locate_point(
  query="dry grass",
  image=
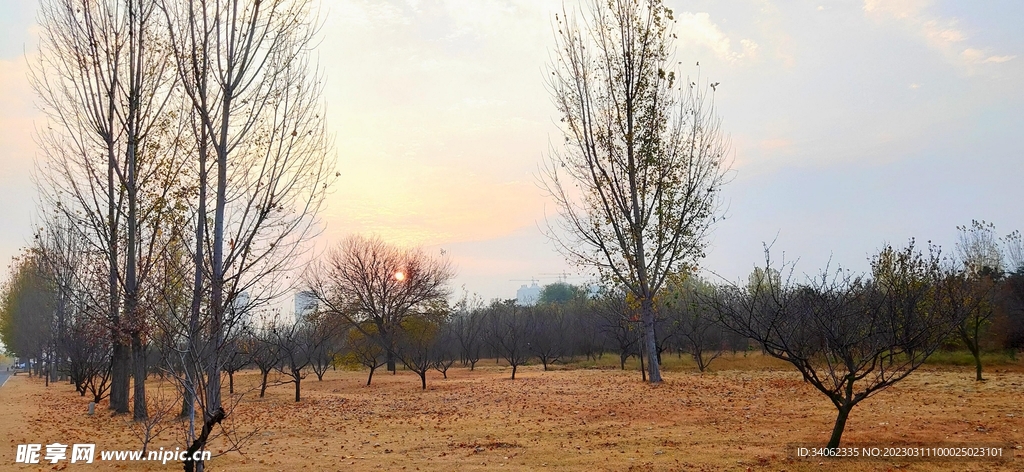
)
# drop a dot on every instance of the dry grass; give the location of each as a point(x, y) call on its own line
point(746, 415)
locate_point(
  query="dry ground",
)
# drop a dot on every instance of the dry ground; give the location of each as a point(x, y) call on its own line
point(749, 414)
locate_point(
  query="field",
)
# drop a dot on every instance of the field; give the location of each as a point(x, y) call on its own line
point(749, 413)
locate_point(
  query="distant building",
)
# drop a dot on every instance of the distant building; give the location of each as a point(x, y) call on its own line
point(240, 305)
point(528, 296)
point(305, 304)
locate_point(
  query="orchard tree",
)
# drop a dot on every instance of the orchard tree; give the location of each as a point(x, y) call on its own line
point(637, 182)
point(418, 343)
point(686, 306)
point(850, 336)
point(368, 280)
point(507, 329)
point(364, 348)
point(982, 258)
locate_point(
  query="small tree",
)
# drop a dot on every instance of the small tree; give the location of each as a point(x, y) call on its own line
point(467, 328)
point(325, 342)
point(548, 330)
point(293, 341)
point(508, 332)
point(979, 251)
point(696, 324)
point(418, 344)
point(850, 336)
point(618, 322)
point(367, 351)
point(266, 354)
point(236, 357)
point(445, 349)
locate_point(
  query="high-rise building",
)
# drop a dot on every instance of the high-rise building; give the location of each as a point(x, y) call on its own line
point(528, 296)
point(305, 304)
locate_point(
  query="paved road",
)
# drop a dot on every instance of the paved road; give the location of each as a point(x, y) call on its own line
point(3, 377)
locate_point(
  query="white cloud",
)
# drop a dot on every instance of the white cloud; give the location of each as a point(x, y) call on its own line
point(998, 59)
point(896, 8)
point(941, 34)
point(697, 30)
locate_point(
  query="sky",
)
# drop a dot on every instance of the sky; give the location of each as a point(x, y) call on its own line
point(852, 124)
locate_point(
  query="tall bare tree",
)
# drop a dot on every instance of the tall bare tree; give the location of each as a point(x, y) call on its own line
point(261, 152)
point(105, 82)
point(638, 179)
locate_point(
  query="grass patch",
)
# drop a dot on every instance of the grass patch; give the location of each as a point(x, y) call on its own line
point(964, 358)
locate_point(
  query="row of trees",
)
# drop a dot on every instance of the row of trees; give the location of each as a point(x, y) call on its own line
point(849, 335)
point(184, 161)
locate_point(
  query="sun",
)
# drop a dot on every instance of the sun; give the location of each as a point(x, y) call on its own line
point(399, 276)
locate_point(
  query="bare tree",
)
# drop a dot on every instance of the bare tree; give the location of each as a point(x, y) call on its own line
point(265, 354)
point(236, 357)
point(324, 341)
point(446, 348)
point(979, 251)
point(467, 329)
point(418, 342)
point(368, 280)
point(362, 346)
point(507, 330)
point(638, 180)
point(292, 340)
point(258, 127)
point(850, 336)
point(105, 83)
point(696, 324)
point(618, 322)
point(548, 335)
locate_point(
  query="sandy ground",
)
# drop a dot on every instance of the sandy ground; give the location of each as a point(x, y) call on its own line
point(746, 415)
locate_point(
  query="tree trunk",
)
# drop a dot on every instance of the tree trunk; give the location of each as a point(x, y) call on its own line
point(423, 379)
point(298, 384)
point(231, 382)
point(263, 386)
point(139, 375)
point(119, 377)
point(974, 347)
point(513, 372)
point(368, 379)
point(188, 397)
point(391, 362)
point(650, 342)
point(643, 371)
point(216, 417)
point(217, 301)
point(837, 430)
point(977, 363)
